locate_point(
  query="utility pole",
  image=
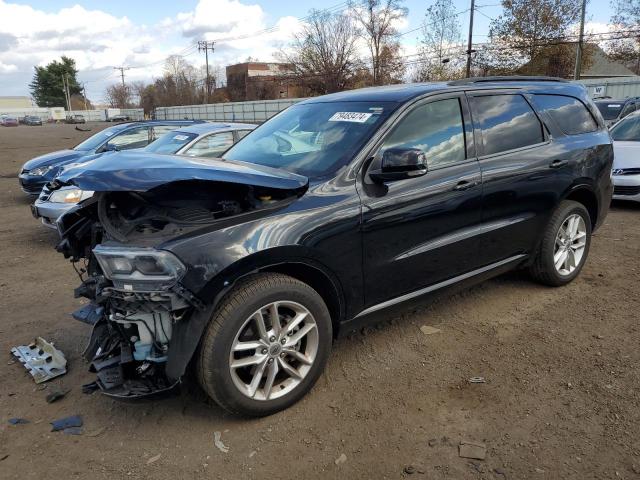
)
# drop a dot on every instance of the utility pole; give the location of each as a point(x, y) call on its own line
point(65, 90)
point(122, 69)
point(206, 46)
point(470, 42)
point(84, 94)
point(576, 75)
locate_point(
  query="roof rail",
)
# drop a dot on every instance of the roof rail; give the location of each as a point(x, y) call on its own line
point(512, 78)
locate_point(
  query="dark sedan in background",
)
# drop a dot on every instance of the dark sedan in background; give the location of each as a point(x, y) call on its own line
point(37, 172)
point(32, 120)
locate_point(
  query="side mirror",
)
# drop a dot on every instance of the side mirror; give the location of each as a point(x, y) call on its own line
point(399, 164)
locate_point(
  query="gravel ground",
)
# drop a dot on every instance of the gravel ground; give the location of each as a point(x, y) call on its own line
point(560, 398)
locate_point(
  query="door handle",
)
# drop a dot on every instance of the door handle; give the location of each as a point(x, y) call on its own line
point(464, 185)
point(558, 163)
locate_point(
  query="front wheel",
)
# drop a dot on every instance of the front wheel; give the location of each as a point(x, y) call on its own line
point(564, 246)
point(265, 346)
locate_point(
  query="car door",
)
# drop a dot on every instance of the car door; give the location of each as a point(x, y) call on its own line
point(522, 172)
point(420, 231)
point(212, 145)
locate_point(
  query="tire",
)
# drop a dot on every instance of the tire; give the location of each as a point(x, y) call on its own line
point(544, 268)
point(235, 323)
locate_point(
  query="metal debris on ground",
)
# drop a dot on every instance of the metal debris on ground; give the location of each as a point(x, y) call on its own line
point(427, 330)
point(217, 440)
point(41, 359)
point(67, 422)
point(341, 459)
point(409, 470)
point(18, 421)
point(473, 450)
point(154, 459)
point(55, 396)
point(477, 380)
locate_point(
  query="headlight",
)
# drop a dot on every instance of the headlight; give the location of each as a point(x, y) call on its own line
point(73, 195)
point(139, 269)
point(36, 172)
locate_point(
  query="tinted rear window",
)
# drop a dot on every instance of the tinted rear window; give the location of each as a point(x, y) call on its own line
point(609, 110)
point(569, 113)
point(507, 122)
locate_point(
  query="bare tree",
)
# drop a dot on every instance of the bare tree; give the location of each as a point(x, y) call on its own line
point(324, 55)
point(118, 96)
point(440, 40)
point(377, 19)
point(534, 33)
point(625, 19)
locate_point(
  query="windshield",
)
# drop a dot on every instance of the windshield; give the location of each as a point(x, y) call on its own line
point(314, 139)
point(170, 142)
point(609, 110)
point(627, 130)
point(94, 141)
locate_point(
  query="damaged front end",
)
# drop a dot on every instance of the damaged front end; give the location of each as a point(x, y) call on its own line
point(140, 312)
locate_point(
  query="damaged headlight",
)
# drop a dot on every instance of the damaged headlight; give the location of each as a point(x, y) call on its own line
point(73, 195)
point(143, 269)
point(39, 171)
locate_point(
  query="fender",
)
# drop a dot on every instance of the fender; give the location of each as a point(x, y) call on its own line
point(187, 334)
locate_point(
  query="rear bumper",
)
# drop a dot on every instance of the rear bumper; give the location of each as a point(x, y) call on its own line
point(626, 187)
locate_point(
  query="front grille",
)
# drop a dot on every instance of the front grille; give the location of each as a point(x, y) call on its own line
point(626, 190)
point(32, 188)
point(626, 171)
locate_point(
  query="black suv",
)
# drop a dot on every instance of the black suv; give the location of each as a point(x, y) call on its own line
point(331, 214)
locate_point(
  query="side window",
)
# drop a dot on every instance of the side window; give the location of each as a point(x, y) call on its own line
point(241, 134)
point(436, 128)
point(132, 138)
point(160, 130)
point(507, 122)
point(569, 113)
point(211, 146)
point(628, 108)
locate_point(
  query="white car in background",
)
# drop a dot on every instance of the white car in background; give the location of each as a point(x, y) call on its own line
point(626, 162)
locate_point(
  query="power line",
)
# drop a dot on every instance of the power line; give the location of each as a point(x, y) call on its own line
point(206, 46)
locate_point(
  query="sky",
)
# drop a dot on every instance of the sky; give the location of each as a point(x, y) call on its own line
point(100, 35)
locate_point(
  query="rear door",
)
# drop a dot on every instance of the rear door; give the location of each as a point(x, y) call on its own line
point(519, 171)
point(420, 231)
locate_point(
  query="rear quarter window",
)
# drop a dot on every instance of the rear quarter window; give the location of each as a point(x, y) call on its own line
point(570, 114)
point(507, 122)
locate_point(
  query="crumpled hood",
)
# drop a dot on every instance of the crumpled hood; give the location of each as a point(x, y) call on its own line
point(61, 157)
point(141, 171)
point(626, 154)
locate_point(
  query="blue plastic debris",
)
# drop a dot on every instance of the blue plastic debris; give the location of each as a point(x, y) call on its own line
point(67, 422)
point(18, 421)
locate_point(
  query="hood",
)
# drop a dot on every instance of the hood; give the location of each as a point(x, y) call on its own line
point(61, 157)
point(140, 172)
point(626, 154)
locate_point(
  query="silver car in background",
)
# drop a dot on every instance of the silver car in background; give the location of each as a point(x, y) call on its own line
point(198, 140)
point(626, 161)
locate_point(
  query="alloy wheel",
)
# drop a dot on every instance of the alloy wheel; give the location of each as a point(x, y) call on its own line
point(571, 241)
point(273, 350)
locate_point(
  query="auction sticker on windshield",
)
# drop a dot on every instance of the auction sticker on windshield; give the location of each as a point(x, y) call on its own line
point(357, 117)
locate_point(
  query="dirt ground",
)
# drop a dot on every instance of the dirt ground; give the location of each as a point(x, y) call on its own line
point(560, 400)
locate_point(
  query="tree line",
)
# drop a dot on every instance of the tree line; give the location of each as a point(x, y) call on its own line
point(361, 46)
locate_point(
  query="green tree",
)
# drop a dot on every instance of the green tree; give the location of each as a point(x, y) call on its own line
point(47, 87)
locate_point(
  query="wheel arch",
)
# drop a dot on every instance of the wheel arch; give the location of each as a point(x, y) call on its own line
point(585, 195)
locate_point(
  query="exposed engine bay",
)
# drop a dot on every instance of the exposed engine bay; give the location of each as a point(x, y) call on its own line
point(138, 306)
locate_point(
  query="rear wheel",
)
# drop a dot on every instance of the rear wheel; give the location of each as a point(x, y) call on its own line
point(266, 345)
point(565, 245)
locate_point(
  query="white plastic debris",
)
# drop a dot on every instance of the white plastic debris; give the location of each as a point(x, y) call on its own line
point(217, 440)
point(41, 359)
